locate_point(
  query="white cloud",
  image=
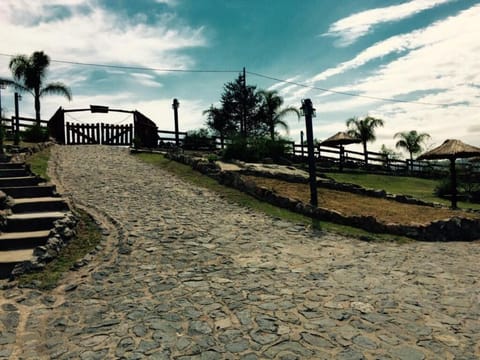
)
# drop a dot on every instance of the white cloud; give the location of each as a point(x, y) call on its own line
point(92, 34)
point(351, 28)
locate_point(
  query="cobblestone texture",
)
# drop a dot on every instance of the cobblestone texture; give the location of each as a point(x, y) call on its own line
point(184, 274)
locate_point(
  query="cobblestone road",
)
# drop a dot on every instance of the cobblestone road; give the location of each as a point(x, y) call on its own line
point(184, 274)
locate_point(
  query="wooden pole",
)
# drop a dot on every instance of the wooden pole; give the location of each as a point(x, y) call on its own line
point(453, 174)
point(308, 111)
point(175, 115)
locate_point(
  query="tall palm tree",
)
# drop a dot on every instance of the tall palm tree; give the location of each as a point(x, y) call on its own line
point(411, 141)
point(29, 74)
point(272, 112)
point(364, 130)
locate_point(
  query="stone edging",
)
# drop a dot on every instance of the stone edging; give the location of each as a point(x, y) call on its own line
point(453, 229)
point(62, 232)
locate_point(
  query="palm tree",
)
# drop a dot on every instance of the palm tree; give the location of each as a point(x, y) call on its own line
point(219, 122)
point(29, 74)
point(412, 142)
point(363, 130)
point(270, 109)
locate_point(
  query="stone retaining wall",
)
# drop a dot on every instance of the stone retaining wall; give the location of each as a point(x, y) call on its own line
point(453, 229)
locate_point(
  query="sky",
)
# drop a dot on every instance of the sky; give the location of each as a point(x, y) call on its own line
point(412, 63)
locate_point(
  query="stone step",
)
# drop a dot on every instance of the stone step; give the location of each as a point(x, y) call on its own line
point(20, 181)
point(23, 240)
point(8, 260)
point(32, 221)
point(29, 191)
point(4, 173)
point(39, 204)
point(9, 165)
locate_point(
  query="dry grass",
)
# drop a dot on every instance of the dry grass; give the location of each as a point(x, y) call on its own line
point(349, 204)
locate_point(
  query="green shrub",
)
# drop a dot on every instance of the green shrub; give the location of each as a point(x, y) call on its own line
point(198, 140)
point(35, 134)
point(256, 149)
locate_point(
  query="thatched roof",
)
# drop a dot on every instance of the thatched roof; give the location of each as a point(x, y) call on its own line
point(340, 138)
point(451, 149)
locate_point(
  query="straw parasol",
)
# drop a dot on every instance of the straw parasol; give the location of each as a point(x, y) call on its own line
point(452, 149)
point(340, 139)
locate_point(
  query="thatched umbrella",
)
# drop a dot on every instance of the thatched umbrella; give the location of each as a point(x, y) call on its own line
point(340, 139)
point(452, 150)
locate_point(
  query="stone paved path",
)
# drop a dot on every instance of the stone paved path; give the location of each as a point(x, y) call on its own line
point(184, 274)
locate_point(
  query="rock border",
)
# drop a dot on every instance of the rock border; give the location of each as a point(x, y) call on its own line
point(452, 229)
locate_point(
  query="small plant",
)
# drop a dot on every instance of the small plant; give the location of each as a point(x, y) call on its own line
point(35, 134)
point(444, 188)
point(211, 158)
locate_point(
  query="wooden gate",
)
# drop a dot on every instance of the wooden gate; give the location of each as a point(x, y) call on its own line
point(116, 134)
point(107, 134)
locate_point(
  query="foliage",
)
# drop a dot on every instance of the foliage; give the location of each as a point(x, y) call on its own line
point(389, 153)
point(38, 163)
point(364, 130)
point(219, 122)
point(255, 149)
point(29, 74)
point(411, 141)
point(444, 188)
point(238, 100)
point(198, 140)
point(271, 112)
point(35, 134)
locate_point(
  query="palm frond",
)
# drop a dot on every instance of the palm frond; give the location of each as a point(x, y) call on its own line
point(56, 88)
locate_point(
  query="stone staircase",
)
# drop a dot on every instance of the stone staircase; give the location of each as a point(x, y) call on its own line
point(35, 207)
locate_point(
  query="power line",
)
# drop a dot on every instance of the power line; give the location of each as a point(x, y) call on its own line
point(145, 68)
point(352, 94)
point(142, 68)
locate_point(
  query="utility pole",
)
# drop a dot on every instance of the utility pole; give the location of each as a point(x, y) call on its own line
point(243, 122)
point(309, 112)
point(16, 136)
point(175, 106)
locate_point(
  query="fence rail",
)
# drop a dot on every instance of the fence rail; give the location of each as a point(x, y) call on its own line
point(24, 123)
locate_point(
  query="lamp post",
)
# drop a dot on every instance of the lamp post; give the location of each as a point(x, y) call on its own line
point(175, 107)
point(309, 112)
point(16, 137)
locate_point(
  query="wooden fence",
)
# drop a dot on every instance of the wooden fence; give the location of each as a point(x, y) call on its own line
point(23, 123)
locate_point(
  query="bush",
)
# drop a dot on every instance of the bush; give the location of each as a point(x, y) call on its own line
point(35, 134)
point(256, 149)
point(444, 188)
point(198, 140)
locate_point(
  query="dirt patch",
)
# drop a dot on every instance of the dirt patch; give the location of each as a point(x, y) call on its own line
point(385, 211)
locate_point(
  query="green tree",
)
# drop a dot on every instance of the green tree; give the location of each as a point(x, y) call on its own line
point(364, 130)
point(238, 100)
point(29, 74)
point(219, 123)
point(412, 142)
point(271, 112)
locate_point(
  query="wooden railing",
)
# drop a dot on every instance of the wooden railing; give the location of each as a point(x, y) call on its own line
point(24, 123)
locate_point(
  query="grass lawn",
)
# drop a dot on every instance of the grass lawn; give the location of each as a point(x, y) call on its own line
point(422, 189)
point(39, 163)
